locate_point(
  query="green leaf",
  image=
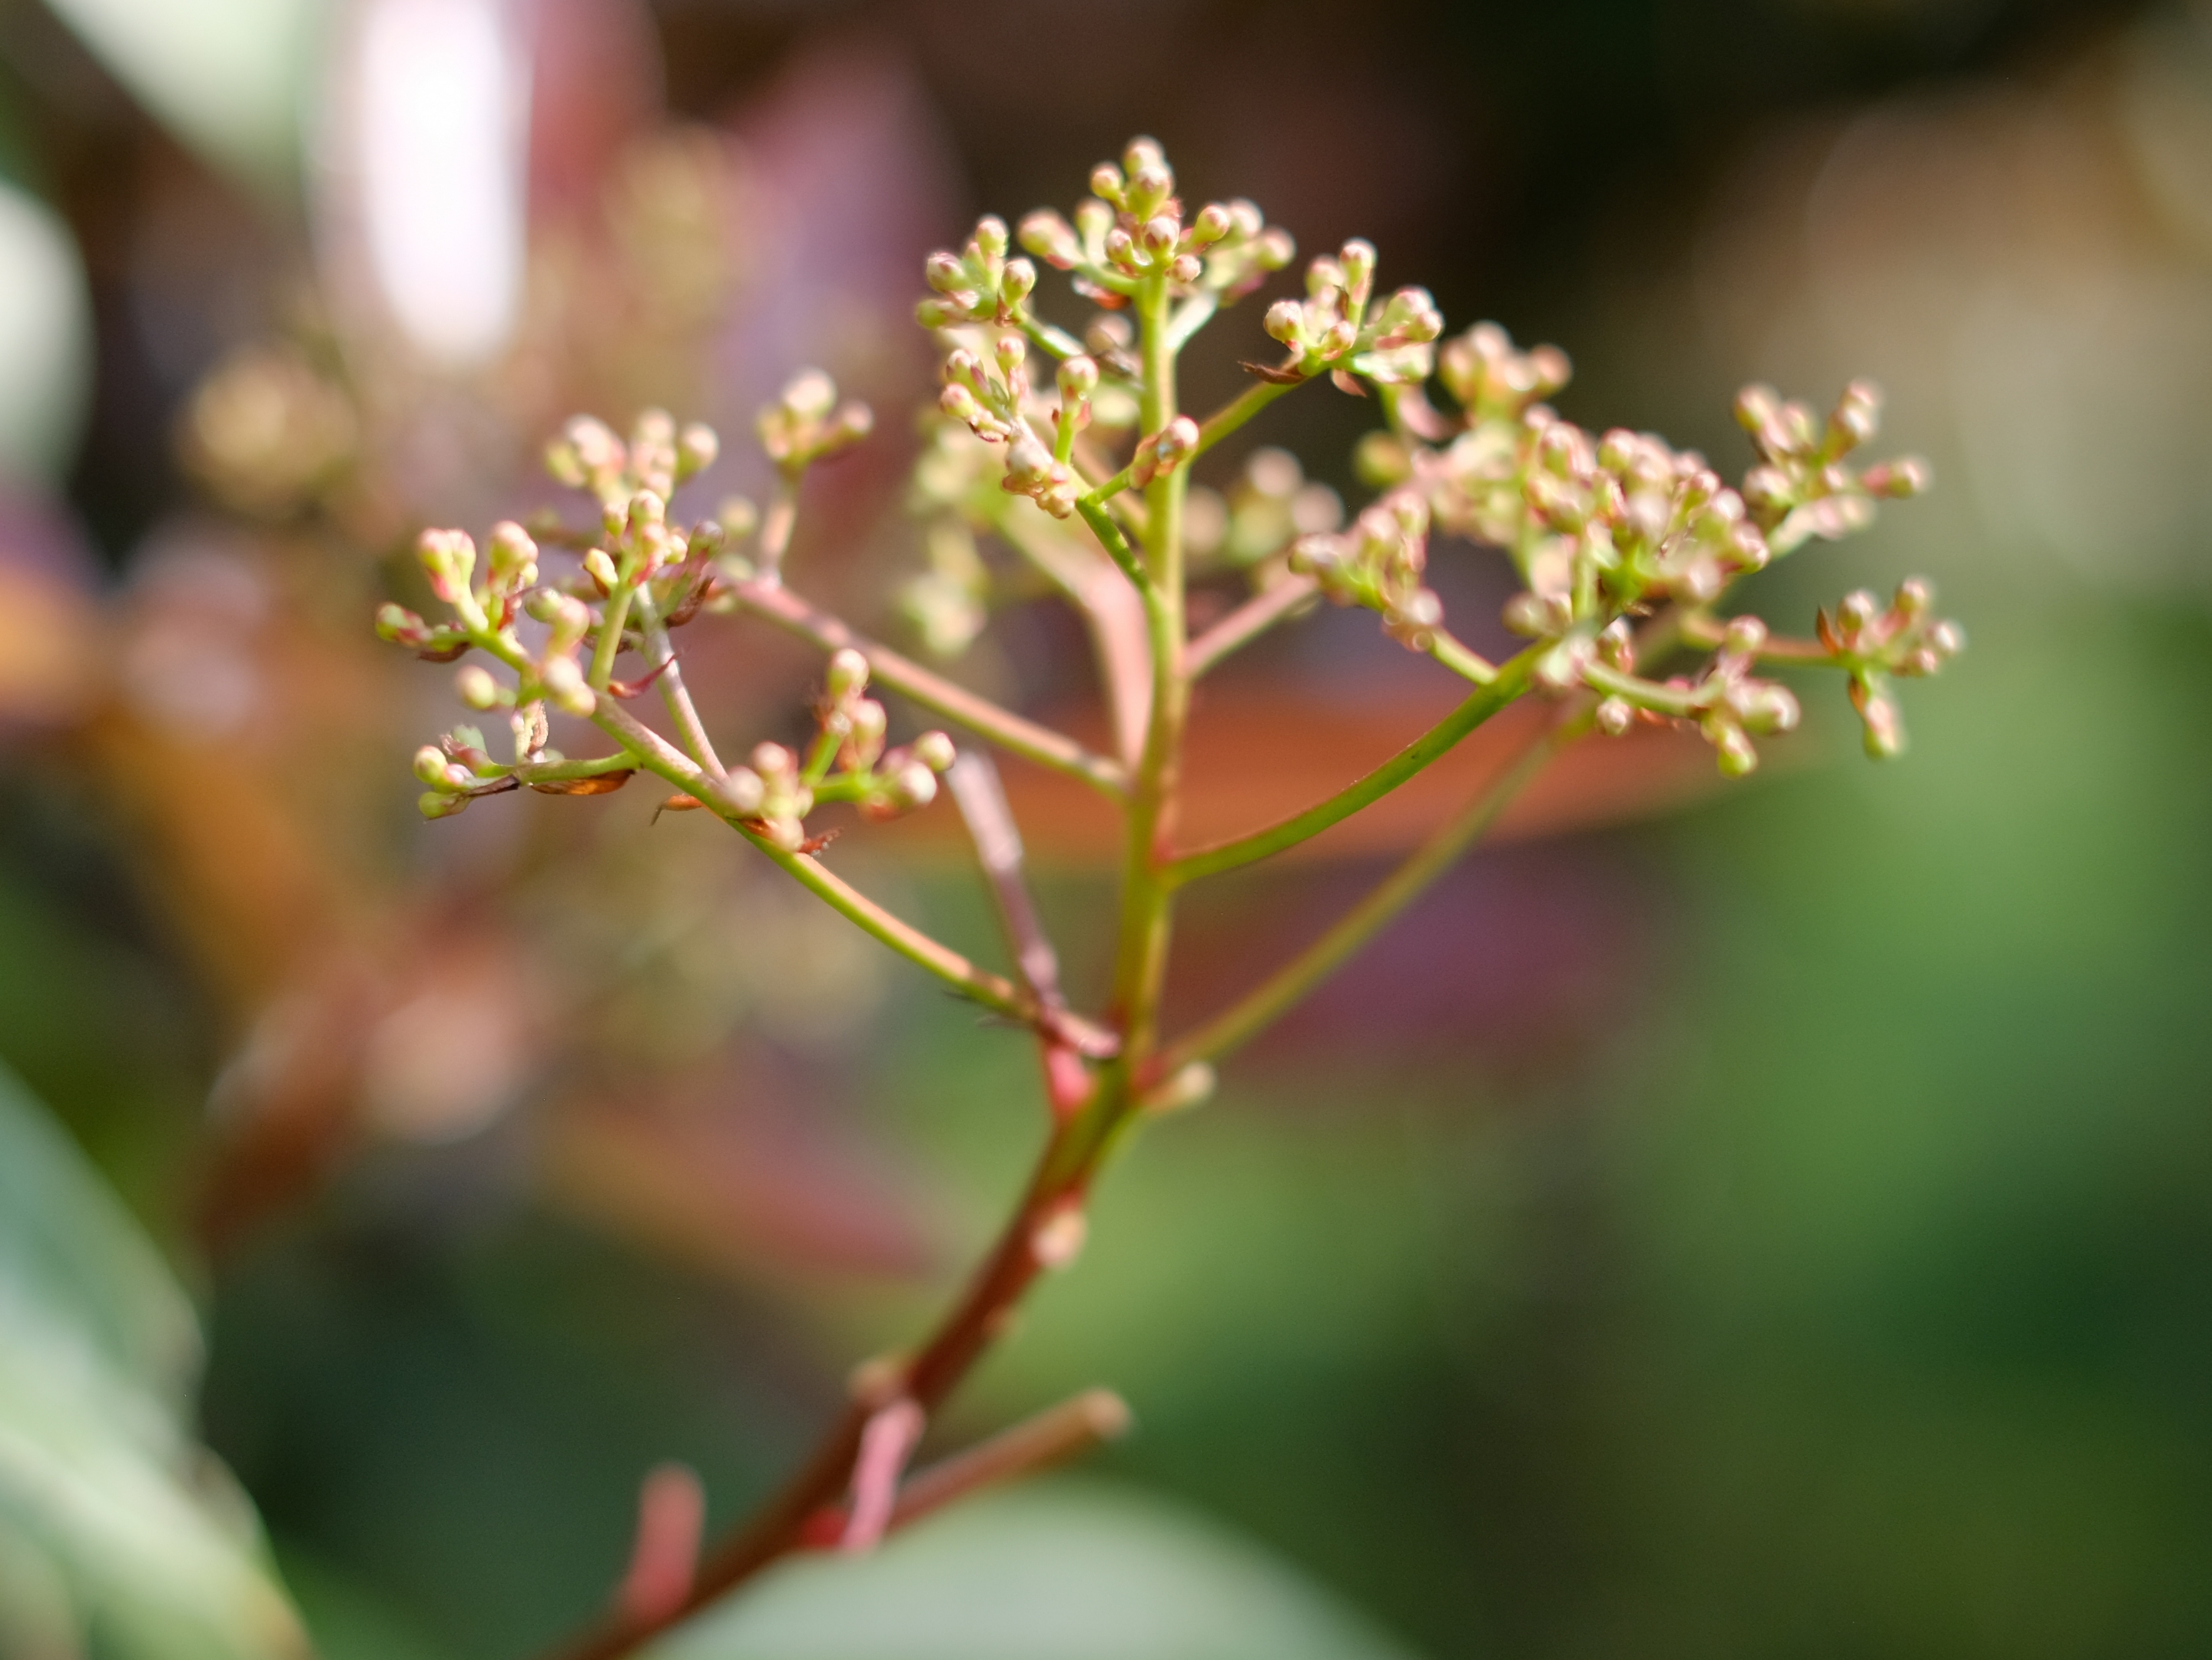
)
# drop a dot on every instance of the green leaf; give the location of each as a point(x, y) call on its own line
point(1056, 1570)
point(118, 1534)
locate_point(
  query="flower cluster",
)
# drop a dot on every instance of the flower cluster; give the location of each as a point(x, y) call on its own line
point(1377, 563)
point(634, 578)
point(1132, 227)
point(1333, 328)
point(1871, 644)
point(1604, 529)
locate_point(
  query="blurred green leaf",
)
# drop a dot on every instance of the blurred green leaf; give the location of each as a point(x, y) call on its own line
point(1057, 1571)
point(118, 1534)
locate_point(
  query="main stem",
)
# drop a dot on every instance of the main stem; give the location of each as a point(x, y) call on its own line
point(1081, 1137)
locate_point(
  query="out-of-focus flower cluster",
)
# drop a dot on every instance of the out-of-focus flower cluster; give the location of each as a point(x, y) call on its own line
point(637, 575)
point(1608, 530)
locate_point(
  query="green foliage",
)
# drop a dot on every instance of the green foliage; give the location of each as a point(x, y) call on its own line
point(118, 1533)
point(1063, 1571)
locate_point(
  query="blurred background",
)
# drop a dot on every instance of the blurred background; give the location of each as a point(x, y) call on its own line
point(1773, 1219)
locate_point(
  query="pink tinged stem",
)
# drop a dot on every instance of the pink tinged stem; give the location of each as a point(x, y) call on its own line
point(672, 1515)
point(887, 1441)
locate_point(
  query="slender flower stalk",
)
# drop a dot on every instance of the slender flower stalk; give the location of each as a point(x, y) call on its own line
point(1066, 443)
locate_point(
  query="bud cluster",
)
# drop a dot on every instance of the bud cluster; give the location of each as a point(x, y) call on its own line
point(1726, 703)
point(638, 575)
point(846, 761)
point(1132, 229)
point(1802, 488)
point(1871, 644)
point(1331, 328)
point(806, 423)
point(1377, 563)
point(1606, 528)
point(994, 399)
point(979, 284)
point(660, 456)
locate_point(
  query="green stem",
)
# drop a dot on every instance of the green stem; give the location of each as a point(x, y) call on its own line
point(1010, 731)
point(1059, 342)
point(612, 617)
point(673, 692)
point(1679, 701)
point(1447, 651)
point(532, 772)
point(1147, 897)
point(1116, 544)
point(1707, 632)
point(1210, 431)
point(657, 754)
point(1511, 680)
point(1275, 996)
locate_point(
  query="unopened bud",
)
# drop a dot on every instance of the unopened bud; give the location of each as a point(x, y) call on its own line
point(430, 765)
point(1358, 259)
point(476, 687)
point(1051, 238)
point(1178, 443)
point(697, 447)
point(448, 557)
point(599, 566)
point(564, 687)
point(1735, 750)
point(934, 750)
point(1905, 476)
point(1077, 377)
point(810, 394)
point(1614, 716)
point(400, 626)
point(848, 673)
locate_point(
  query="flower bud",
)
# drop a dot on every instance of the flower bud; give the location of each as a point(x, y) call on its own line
point(432, 804)
point(1614, 716)
point(911, 785)
point(1178, 443)
point(448, 557)
point(697, 447)
point(740, 790)
point(1857, 416)
point(1051, 238)
point(848, 673)
point(1905, 476)
point(1077, 377)
point(564, 687)
point(1735, 750)
point(430, 766)
point(1357, 260)
point(599, 566)
point(1884, 725)
point(476, 687)
point(401, 626)
point(511, 557)
point(1214, 222)
point(1285, 321)
point(810, 394)
point(934, 750)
